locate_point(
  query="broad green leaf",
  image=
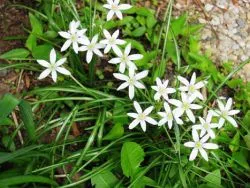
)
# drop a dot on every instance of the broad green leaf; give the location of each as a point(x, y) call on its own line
point(235, 143)
point(139, 31)
point(179, 24)
point(247, 140)
point(36, 25)
point(151, 21)
point(7, 104)
point(5, 121)
point(15, 54)
point(145, 181)
point(214, 178)
point(241, 158)
point(117, 131)
point(27, 118)
point(31, 42)
point(105, 179)
point(42, 51)
point(26, 179)
point(132, 155)
point(8, 143)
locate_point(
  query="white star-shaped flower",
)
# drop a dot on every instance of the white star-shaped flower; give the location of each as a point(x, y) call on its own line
point(199, 145)
point(192, 88)
point(225, 113)
point(73, 36)
point(168, 117)
point(131, 81)
point(141, 117)
point(115, 8)
point(53, 66)
point(185, 106)
point(206, 126)
point(91, 47)
point(126, 60)
point(162, 89)
point(111, 42)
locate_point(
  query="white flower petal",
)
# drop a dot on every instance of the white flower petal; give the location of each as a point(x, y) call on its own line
point(193, 154)
point(137, 107)
point(63, 71)
point(133, 115)
point(131, 92)
point(54, 76)
point(119, 14)
point(110, 15)
point(221, 122)
point(189, 144)
point(139, 85)
point(52, 56)
point(210, 146)
point(98, 52)
point(120, 76)
point(44, 74)
point(195, 135)
point(122, 67)
point(151, 121)
point(66, 45)
point(175, 102)
point(60, 62)
point(233, 112)
point(134, 124)
point(143, 125)
point(127, 49)
point(148, 110)
point(232, 121)
point(195, 106)
point(204, 139)
point(89, 56)
point(44, 63)
point(115, 60)
point(190, 115)
point(141, 75)
point(221, 106)
point(203, 154)
point(65, 35)
point(162, 121)
point(123, 86)
point(183, 80)
point(135, 57)
point(229, 104)
point(193, 79)
point(75, 47)
point(124, 6)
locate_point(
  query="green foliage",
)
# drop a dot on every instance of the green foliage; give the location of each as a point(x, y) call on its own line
point(131, 157)
point(19, 53)
point(105, 179)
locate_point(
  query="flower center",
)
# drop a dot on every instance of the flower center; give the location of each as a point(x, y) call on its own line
point(206, 125)
point(141, 116)
point(124, 58)
point(198, 145)
point(114, 7)
point(112, 40)
point(91, 46)
point(52, 66)
point(191, 89)
point(73, 37)
point(131, 81)
point(185, 105)
point(170, 116)
point(224, 113)
point(162, 90)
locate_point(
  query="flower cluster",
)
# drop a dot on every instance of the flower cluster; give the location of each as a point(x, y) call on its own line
point(175, 112)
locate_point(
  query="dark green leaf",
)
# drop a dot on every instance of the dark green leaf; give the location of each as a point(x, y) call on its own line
point(104, 179)
point(214, 178)
point(7, 104)
point(27, 118)
point(131, 157)
point(15, 54)
point(235, 143)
